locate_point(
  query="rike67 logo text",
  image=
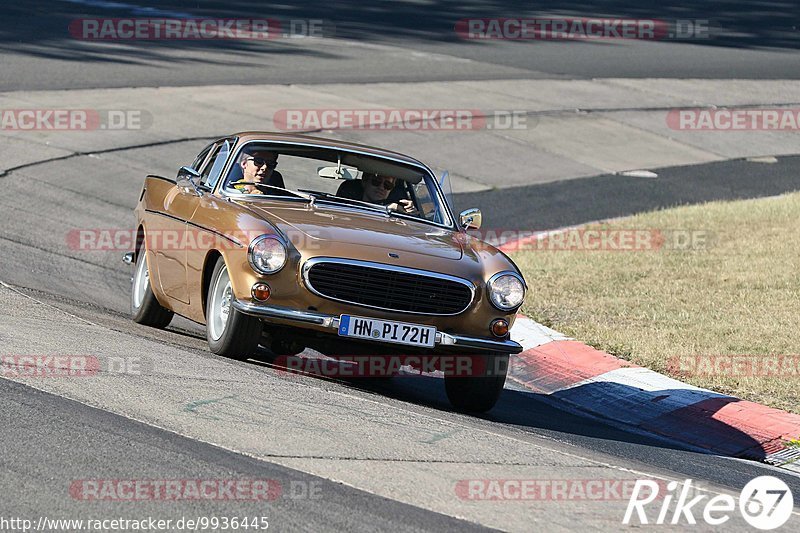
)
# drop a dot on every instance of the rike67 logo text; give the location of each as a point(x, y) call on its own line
point(765, 503)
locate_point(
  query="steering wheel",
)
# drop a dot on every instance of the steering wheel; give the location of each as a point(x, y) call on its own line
point(260, 186)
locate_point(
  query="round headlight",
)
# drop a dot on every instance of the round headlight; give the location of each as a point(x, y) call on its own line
point(506, 291)
point(267, 254)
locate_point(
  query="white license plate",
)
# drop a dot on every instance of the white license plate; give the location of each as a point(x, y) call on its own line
point(386, 331)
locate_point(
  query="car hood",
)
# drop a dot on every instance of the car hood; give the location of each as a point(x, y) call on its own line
point(321, 229)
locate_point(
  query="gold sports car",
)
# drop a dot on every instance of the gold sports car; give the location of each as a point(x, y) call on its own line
point(293, 242)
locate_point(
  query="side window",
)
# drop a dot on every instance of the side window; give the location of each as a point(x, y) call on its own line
point(212, 172)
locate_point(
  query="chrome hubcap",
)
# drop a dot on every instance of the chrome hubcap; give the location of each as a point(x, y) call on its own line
point(220, 305)
point(226, 304)
point(141, 281)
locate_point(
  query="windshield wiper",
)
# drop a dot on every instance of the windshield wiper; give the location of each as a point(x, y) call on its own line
point(324, 196)
point(264, 185)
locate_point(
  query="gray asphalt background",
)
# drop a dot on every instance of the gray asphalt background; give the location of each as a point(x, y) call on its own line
point(397, 41)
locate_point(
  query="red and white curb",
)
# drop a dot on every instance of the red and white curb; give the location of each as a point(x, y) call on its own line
point(582, 379)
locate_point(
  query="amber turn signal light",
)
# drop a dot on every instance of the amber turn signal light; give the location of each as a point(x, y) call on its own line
point(499, 327)
point(260, 292)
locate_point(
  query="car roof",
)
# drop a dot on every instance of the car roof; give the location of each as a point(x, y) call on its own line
point(246, 136)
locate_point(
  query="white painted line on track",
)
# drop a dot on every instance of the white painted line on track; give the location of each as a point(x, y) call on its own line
point(76, 317)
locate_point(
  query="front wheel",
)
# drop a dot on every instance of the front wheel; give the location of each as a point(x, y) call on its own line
point(145, 308)
point(478, 394)
point(229, 332)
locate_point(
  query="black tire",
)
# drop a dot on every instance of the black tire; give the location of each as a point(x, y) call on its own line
point(240, 333)
point(478, 394)
point(148, 312)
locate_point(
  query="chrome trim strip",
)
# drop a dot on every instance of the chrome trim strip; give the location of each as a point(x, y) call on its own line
point(332, 322)
point(506, 346)
point(505, 273)
point(219, 189)
point(382, 266)
point(265, 311)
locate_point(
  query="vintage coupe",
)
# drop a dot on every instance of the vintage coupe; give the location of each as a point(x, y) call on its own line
point(347, 249)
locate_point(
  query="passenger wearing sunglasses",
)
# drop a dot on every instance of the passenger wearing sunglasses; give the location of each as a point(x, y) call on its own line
point(259, 167)
point(375, 189)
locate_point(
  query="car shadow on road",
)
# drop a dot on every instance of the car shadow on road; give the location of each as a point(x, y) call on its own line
point(548, 414)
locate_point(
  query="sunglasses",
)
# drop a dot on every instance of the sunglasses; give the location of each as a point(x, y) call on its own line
point(260, 162)
point(376, 182)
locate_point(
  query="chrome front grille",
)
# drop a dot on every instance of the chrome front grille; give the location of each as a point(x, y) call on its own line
point(388, 287)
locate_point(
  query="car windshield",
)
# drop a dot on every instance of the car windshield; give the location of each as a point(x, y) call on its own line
point(335, 177)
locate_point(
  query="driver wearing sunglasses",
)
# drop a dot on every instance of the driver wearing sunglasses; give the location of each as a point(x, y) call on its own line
point(259, 168)
point(377, 189)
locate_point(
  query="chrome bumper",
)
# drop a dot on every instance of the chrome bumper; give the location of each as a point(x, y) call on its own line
point(332, 322)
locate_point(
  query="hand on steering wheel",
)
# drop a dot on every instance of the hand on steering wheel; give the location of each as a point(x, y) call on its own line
point(403, 206)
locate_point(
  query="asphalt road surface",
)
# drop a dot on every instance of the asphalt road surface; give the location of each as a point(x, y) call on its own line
point(384, 456)
point(566, 203)
point(72, 439)
point(392, 41)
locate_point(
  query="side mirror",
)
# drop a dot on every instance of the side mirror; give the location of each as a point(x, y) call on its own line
point(470, 219)
point(186, 181)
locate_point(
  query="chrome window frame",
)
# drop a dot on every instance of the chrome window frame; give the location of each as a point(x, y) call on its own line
point(209, 166)
point(444, 206)
point(207, 149)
